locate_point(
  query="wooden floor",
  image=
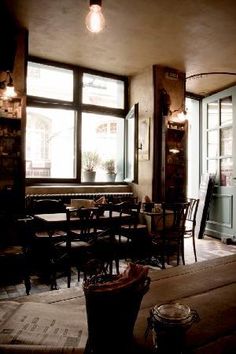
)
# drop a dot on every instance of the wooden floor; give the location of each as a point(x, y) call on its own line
point(207, 248)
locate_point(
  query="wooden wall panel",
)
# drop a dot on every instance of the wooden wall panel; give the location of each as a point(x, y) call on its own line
point(169, 100)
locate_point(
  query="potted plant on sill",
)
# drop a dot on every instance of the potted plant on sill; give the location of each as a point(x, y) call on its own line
point(110, 168)
point(90, 160)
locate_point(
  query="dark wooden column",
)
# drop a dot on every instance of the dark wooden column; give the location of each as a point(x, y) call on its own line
point(169, 99)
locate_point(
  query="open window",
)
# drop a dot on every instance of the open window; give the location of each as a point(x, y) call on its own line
point(131, 146)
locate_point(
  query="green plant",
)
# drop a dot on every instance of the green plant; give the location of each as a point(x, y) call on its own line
point(90, 160)
point(110, 166)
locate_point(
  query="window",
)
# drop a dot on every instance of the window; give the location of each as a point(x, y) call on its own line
point(50, 139)
point(73, 128)
point(131, 147)
point(219, 140)
point(102, 134)
point(49, 82)
point(103, 91)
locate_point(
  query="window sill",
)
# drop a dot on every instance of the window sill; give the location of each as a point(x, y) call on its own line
point(77, 189)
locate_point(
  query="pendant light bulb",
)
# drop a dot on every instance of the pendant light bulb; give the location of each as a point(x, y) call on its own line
point(10, 91)
point(95, 21)
point(9, 88)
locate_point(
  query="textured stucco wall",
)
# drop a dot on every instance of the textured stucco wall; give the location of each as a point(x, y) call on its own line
point(141, 91)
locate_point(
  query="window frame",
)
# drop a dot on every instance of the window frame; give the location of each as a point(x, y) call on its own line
point(217, 128)
point(79, 108)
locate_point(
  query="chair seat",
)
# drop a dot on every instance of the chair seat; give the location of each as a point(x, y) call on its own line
point(121, 239)
point(44, 234)
point(138, 226)
point(85, 236)
point(11, 251)
point(75, 245)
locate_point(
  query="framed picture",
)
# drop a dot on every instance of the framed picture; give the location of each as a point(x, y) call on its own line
point(144, 136)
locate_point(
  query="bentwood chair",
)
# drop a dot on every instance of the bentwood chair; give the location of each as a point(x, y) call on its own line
point(42, 248)
point(106, 244)
point(170, 230)
point(81, 231)
point(13, 253)
point(133, 231)
point(190, 223)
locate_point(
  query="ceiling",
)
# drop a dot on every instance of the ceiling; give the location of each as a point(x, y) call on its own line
point(188, 35)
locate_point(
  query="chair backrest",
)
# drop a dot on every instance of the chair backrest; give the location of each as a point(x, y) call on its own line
point(192, 210)
point(83, 219)
point(133, 210)
point(174, 215)
point(48, 206)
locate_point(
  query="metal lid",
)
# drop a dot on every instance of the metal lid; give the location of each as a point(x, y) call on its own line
point(173, 312)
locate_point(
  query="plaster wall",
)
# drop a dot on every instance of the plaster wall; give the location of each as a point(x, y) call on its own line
point(141, 91)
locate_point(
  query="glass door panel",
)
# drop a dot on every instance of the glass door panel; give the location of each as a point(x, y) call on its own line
point(212, 166)
point(226, 172)
point(218, 145)
point(226, 141)
point(212, 114)
point(226, 110)
point(212, 143)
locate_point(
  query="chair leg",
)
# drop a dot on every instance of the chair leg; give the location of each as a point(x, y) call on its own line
point(27, 272)
point(27, 282)
point(117, 266)
point(53, 275)
point(194, 248)
point(68, 277)
point(163, 248)
point(182, 250)
point(54, 282)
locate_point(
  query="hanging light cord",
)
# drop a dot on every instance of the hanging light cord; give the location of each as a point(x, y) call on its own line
point(200, 75)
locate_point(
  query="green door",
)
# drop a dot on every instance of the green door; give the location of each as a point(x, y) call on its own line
point(219, 159)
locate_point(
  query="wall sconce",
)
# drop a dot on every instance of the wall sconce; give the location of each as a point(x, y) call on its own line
point(174, 151)
point(95, 20)
point(7, 86)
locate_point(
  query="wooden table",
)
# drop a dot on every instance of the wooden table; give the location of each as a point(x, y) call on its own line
point(59, 220)
point(209, 287)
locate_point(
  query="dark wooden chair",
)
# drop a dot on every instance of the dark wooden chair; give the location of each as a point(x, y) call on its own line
point(106, 243)
point(170, 230)
point(42, 248)
point(190, 223)
point(14, 264)
point(76, 249)
point(133, 231)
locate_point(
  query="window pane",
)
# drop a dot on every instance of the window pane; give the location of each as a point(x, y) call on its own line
point(102, 139)
point(212, 115)
point(103, 91)
point(226, 110)
point(49, 142)
point(226, 171)
point(212, 143)
point(226, 141)
point(49, 82)
point(212, 166)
